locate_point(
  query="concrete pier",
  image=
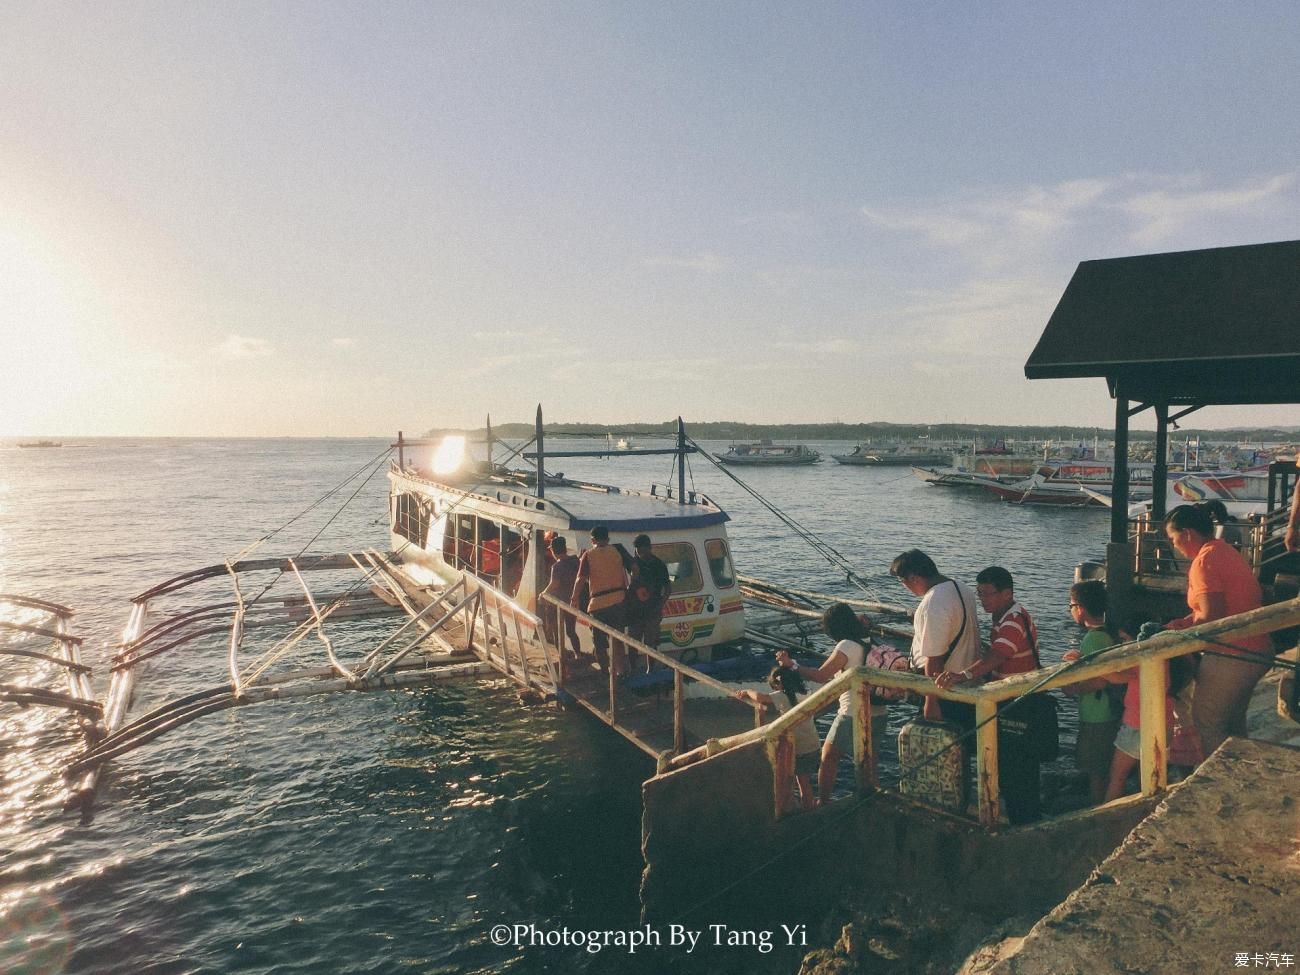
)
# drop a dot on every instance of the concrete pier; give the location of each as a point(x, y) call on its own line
point(1210, 878)
point(1209, 882)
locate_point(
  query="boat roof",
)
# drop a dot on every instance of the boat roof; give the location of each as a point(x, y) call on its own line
point(620, 509)
point(1203, 327)
point(585, 504)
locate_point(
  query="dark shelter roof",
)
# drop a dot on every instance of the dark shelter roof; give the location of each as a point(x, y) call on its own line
point(1195, 327)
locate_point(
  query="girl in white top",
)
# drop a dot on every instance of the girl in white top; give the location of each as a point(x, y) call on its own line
point(788, 689)
point(843, 625)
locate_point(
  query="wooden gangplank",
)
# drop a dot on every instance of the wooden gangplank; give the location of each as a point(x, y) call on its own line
point(654, 714)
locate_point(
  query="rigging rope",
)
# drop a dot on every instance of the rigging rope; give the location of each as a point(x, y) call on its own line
point(819, 545)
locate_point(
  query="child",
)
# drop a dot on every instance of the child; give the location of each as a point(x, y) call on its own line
point(1184, 745)
point(788, 688)
point(1099, 713)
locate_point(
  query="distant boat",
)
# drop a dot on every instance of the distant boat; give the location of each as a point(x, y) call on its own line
point(765, 453)
point(901, 455)
point(624, 443)
point(41, 443)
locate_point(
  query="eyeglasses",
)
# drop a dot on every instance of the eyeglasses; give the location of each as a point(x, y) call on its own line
point(1076, 606)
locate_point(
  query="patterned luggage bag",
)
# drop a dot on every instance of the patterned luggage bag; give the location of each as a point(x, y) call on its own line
point(937, 781)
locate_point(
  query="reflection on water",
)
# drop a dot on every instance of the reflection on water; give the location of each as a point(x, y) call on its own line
point(376, 832)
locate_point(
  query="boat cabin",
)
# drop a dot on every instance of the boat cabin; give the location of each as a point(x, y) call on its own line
point(497, 531)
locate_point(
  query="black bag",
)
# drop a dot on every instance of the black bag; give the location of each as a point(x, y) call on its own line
point(1029, 726)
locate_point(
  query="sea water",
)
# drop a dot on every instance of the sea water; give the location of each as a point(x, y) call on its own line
point(391, 832)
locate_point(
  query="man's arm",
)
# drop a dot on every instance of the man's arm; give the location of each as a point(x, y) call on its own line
point(1292, 537)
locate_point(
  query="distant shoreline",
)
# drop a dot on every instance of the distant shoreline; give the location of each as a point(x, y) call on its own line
point(860, 432)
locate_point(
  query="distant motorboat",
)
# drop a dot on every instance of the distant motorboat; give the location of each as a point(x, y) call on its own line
point(624, 443)
point(765, 453)
point(41, 443)
point(895, 455)
point(1060, 483)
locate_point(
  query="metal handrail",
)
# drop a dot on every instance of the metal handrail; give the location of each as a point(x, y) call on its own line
point(1148, 655)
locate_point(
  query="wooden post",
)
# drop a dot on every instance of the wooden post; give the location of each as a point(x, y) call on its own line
point(679, 703)
point(401, 453)
point(1159, 488)
point(561, 642)
point(864, 748)
point(1154, 687)
point(986, 762)
point(613, 685)
point(782, 772)
point(1119, 479)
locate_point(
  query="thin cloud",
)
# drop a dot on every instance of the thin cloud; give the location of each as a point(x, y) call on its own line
point(1035, 226)
point(1164, 213)
point(705, 263)
point(243, 347)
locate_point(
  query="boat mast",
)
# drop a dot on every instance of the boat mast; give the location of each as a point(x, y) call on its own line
point(489, 444)
point(681, 461)
point(541, 456)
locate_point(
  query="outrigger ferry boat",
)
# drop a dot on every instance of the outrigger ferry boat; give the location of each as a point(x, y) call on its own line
point(766, 453)
point(449, 522)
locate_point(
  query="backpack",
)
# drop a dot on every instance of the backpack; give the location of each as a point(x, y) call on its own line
point(885, 657)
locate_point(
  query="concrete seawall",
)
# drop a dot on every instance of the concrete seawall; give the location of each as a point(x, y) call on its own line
point(1211, 877)
point(710, 837)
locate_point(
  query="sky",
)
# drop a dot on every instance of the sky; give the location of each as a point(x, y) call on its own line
point(345, 219)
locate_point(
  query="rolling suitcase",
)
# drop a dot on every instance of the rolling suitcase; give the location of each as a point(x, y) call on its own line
point(930, 763)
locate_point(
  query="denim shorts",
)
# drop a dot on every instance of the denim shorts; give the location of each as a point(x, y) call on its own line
point(1129, 741)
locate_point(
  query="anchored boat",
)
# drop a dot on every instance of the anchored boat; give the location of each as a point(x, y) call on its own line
point(767, 454)
point(894, 455)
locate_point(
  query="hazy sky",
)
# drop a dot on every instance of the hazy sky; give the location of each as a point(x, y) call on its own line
point(276, 218)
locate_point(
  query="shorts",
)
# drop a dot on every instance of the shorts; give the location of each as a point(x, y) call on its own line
point(841, 731)
point(807, 763)
point(1096, 746)
point(1129, 741)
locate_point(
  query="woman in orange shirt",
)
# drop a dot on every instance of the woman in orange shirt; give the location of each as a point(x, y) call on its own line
point(1219, 583)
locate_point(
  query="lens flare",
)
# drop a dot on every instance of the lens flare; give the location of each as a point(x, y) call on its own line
point(449, 455)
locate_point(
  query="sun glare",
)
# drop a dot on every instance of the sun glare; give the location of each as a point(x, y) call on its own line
point(449, 455)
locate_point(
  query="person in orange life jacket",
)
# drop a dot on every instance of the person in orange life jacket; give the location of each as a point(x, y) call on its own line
point(602, 572)
point(489, 555)
point(1013, 649)
point(564, 571)
point(647, 595)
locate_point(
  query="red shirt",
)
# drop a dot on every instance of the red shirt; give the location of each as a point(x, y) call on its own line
point(1012, 641)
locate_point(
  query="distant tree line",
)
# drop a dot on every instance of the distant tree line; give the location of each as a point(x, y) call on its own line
point(985, 433)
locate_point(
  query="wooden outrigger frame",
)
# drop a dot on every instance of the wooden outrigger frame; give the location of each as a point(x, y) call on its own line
point(79, 698)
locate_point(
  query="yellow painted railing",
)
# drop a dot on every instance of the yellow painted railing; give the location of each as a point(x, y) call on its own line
point(1148, 656)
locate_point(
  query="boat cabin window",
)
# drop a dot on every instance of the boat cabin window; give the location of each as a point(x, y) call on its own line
point(720, 567)
point(493, 552)
point(411, 519)
point(683, 570)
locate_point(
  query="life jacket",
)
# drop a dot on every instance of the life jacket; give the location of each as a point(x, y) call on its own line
point(606, 579)
point(490, 557)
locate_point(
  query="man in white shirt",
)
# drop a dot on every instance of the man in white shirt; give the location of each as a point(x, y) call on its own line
point(946, 632)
